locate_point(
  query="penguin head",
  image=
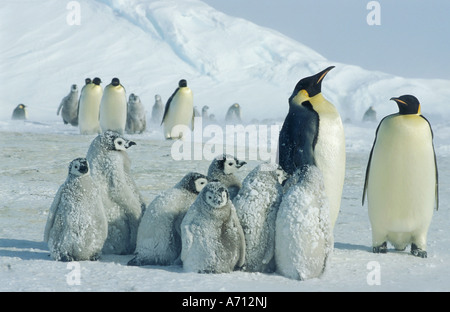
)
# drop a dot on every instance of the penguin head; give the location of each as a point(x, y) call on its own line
point(113, 141)
point(87, 80)
point(115, 82)
point(281, 175)
point(78, 167)
point(157, 97)
point(97, 81)
point(215, 194)
point(21, 106)
point(193, 182)
point(228, 164)
point(308, 87)
point(407, 104)
point(74, 88)
point(182, 83)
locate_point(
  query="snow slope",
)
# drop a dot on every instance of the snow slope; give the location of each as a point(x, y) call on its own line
point(150, 45)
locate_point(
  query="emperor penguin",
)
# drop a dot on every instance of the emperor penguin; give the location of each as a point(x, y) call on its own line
point(20, 112)
point(157, 110)
point(212, 238)
point(179, 112)
point(257, 205)
point(123, 203)
point(89, 107)
point(113, 107)
point(313, 134)
point(401, 181)
point(76, 227)
point(303, 235)
point(136, 120)
point(223, 168)
point(69, 107)
point(158, 238)
point(370, 115)
point(233, 115)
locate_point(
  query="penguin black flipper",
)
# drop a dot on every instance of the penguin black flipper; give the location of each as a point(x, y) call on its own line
point(166, 109)
point(435, 165)
point(298, 138)
point(366, 181)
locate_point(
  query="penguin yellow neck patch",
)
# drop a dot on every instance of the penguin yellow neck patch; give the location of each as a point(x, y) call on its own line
point(301, 97)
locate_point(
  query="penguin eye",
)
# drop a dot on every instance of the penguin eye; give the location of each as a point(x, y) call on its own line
point(230, 164)
point(120, 142)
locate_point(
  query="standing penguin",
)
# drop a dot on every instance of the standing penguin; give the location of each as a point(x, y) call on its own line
point(89, 107)
point(223, 169)
point(257, 206)
point(76, 227)
point(179, 112)
point(158, 238)
point(20, 112)
point(303, 234)
point(157, 110)
point(69, 106)
point(313, 134)
point(122, 200)
point(233, 115)
point(113, 107)
point(136, 120)
point(211, 235)
point(402, 179)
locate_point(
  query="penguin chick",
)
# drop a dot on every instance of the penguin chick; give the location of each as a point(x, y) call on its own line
point(211, 235)
point(76, 227)
point(69, 107)
point(157, 110)
point(257, 205)
point(401, 181)
point(136, 120)
point(303, 234)
point(223, 168)
point(122, 200)
point(158, 237)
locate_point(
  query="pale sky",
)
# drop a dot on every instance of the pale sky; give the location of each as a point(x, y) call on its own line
point(412, 40)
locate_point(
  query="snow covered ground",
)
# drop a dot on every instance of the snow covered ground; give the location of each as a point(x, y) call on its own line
point(150, 46)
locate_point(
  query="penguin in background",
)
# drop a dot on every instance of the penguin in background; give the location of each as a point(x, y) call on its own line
point(89, 106)
point(179, 112)
point(370, 115)
point(313, 134)
point(233, 115)
point(113, 107)
point(401, 182)
point(157, 110)
point(20, 112)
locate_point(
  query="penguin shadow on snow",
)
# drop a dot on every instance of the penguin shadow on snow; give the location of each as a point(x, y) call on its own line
point(24, 249)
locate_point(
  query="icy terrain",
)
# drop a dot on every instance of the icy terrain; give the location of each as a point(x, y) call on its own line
point(150, 45)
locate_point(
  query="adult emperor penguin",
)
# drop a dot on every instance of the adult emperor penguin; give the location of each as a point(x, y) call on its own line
point(179, 112)
point(111, 171)
point(89, 107)
point(136, 119)
point(69, 107)
point(211, 235)
point(113, 107)
point(402, 179)
point(159, 233)
point(313, 134)
point(20, 112)
point(233, 115)
point(76, 227)
point(256, 206)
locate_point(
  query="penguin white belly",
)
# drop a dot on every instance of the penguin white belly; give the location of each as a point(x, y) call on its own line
point(402, 181)
point(113, 110)
point(180, 113)
point(330, 159)
point(88, 115)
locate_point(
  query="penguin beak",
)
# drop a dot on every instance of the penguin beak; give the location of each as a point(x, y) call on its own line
point(239, 164)
point(130, 144)
point(323, 73)
point(398, 100)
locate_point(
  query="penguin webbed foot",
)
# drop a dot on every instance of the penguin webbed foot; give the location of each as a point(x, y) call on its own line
point(380, 249)
point(416, 251)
